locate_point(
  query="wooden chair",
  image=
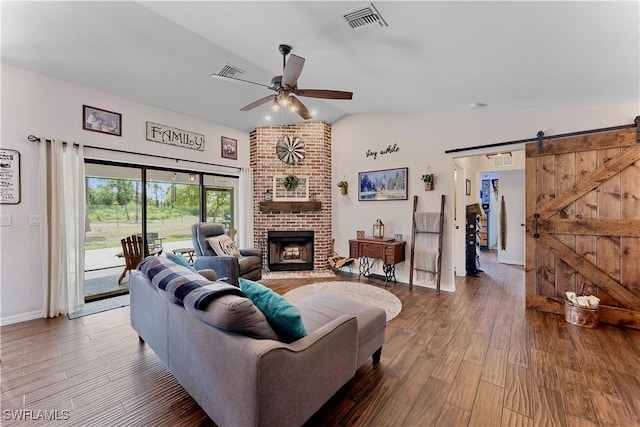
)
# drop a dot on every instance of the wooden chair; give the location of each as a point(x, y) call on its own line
point(132, 252)
point(154, 243)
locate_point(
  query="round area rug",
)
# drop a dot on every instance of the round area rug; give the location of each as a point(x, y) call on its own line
point(354, 290)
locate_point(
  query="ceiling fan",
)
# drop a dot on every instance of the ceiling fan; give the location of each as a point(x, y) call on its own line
point(286, 86)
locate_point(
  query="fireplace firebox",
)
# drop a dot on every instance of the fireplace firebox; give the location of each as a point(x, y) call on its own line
point(290, 250)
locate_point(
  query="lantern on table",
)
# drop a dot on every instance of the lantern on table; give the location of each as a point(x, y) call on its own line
point(378, 229)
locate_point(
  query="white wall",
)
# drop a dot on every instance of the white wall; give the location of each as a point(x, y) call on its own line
point(50, 108)
point(423, 140)
point(511, 185)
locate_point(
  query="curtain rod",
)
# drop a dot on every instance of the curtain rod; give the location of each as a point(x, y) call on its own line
point(541, 136)
point(34, 138)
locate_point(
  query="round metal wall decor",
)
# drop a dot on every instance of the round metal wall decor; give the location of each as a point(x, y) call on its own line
point(290, 149)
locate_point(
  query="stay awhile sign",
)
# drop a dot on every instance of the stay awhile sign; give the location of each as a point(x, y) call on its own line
point(390, 149)
point(173, 136)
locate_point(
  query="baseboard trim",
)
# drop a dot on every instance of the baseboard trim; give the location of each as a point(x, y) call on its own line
point(22, 317)
point(511, 261)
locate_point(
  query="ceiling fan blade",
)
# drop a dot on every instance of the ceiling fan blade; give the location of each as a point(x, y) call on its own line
point(326, 94)
point(292, 70)
point(257, 103)
point(235, 80)
point(300, 108)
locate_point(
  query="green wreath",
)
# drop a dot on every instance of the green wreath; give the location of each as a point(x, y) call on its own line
point(290, 182)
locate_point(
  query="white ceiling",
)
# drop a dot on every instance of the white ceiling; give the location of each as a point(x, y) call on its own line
point(433, 56)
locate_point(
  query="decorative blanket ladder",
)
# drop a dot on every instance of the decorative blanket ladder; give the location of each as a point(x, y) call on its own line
point(428, 226)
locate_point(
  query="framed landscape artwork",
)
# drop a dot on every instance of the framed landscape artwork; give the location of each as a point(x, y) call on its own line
point(229, 148)
point(388, 184)
point(103, 121)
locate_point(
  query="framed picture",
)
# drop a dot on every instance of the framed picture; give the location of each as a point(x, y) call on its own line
point(389, 184)
point(9, 177)
point(468, 187)
point(229, 148)
point(103, 121)
point(360, 234)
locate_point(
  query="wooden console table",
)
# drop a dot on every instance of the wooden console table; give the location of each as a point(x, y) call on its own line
point(369, 249)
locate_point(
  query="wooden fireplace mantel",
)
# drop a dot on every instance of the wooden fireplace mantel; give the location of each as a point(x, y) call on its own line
point(275, 207)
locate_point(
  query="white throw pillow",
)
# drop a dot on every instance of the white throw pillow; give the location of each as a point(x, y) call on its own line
point(223, 245)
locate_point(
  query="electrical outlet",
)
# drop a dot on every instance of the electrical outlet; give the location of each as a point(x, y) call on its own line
point(34, 220)
point(5, 220)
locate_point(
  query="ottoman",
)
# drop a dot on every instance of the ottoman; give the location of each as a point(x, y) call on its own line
point(321, 308)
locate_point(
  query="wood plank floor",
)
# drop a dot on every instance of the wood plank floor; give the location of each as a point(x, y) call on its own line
point(473, 358)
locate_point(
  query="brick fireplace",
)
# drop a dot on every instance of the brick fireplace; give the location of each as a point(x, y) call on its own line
point(316, 166)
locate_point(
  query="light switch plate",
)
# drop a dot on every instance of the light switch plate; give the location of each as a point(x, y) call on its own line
point(34, 220)
point(5, 220)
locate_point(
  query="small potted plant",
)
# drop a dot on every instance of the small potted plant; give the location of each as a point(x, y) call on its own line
point(290, 182)
point(428, 179)
point(344, 186)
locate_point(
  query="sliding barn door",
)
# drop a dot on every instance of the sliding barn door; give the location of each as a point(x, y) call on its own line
point(583, 223)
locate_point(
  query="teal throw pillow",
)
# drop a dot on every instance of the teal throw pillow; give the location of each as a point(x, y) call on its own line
point(283, 317)
point(180, 260)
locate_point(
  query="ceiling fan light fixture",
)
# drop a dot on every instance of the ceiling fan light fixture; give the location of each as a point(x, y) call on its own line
point(285, 86)
point(283, 99)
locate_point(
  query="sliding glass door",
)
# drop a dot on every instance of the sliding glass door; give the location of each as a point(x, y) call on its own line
point(159, 204)
point(114, 211)
point(173, 205)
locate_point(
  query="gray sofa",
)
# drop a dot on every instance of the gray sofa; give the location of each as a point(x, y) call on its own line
point(240, 380)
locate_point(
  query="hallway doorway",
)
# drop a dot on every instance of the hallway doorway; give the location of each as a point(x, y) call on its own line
point(491, 179)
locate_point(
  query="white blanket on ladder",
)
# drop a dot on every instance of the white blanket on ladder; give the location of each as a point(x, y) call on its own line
point(426, 260)
point(427, 221)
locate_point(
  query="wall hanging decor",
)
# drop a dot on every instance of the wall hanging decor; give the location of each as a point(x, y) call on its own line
point(344, 187)
point(389, 184)
point(291, 188)
point(290, 149)
point(103, 121)
point(229, 148)
point(9, 177)
point(428, 179)
point(174, 136)
point(290, 182)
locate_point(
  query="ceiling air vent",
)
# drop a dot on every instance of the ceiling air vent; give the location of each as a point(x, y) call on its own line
point(365, 18)
point(229, 71)
point(503, 161)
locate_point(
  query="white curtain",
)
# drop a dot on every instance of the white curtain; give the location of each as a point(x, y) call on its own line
point(245, 206)
point(62, 187)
